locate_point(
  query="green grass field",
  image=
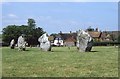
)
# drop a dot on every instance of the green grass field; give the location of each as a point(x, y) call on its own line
point(60, 62)
point(0, 35)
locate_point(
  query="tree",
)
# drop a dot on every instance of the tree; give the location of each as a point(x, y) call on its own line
point(113, 38)
point(54, 35)
point(10, 32)
point(118, 38)
point(31, 23)
point(14, 31)
point(90, 28)
point(33, 38)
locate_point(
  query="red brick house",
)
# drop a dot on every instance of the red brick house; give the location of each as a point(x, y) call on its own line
point(110, 36)
point(69, 38)
point(70, 41)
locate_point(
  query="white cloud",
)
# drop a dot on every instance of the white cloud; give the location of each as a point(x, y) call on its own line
point(11, 18)
point(12, 15)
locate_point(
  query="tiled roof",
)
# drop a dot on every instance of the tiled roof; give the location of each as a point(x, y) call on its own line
point(70, 39)
point(68, 35)
point(51, 38)
point(95, 34)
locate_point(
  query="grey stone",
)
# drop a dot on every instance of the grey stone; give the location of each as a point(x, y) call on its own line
point(21, 43)
point(44, 43)
point(84, 41)
point(12, 44)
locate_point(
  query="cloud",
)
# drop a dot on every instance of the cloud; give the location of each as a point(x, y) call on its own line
point(12, 15)
point(11, 18)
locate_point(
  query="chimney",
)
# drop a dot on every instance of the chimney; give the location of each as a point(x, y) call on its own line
point(60, 32)
point(96, 29)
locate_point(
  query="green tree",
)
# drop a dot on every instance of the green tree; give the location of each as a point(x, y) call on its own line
point(31, 23)
point(54, 35)
point(14, 31)
point(34, 35)
point(118, 38)
point(90, 28)
point(10, 32)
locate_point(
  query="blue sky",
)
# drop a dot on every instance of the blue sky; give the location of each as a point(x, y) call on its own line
point(54, 17)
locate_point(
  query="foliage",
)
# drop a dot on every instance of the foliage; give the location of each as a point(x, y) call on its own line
point(14, 31)
point(119, 38)
point(111, 43)
point(10, 32)
point(60, 62)
point(31, 23)
point(54, 35)
point(90, 28)
point(0, 35)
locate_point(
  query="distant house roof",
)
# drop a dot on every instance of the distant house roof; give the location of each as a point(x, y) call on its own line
point(115, 33)
point(103, 35)
point(70, 39)
point(72, 36)
point(51, 38)
point(65, 36)
point(106, 34)
point(95, 34)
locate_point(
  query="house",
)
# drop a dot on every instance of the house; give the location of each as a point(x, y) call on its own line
point(95, 35)
point(69, 38)
point(58, 41)
point(51, 39)
point(70, 41)
point(110, 36)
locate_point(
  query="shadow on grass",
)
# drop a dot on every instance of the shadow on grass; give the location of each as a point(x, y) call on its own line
point(27, 50)
point(94, 51)
point(69, 51)
point(61, 51)
point(22, 50)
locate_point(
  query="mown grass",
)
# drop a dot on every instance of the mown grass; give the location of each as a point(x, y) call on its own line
point(0, 35)
point(0, 62)
point(60, 62)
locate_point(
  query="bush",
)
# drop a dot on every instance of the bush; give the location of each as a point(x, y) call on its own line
point(14, 31)
point(105, 43)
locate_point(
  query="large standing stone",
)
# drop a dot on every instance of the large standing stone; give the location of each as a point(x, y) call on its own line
point(44, 43)
point(12, 44)
point(21, 43)
point(84, 41)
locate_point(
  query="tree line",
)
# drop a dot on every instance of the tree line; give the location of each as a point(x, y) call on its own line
point(31, 31)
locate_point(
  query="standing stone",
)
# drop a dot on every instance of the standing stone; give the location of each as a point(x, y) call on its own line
point(84, 41)
point(44, 43)
point(21, 43)
point(12, 44)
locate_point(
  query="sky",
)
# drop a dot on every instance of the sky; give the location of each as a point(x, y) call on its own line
point(60, 0)
point(54, 17)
